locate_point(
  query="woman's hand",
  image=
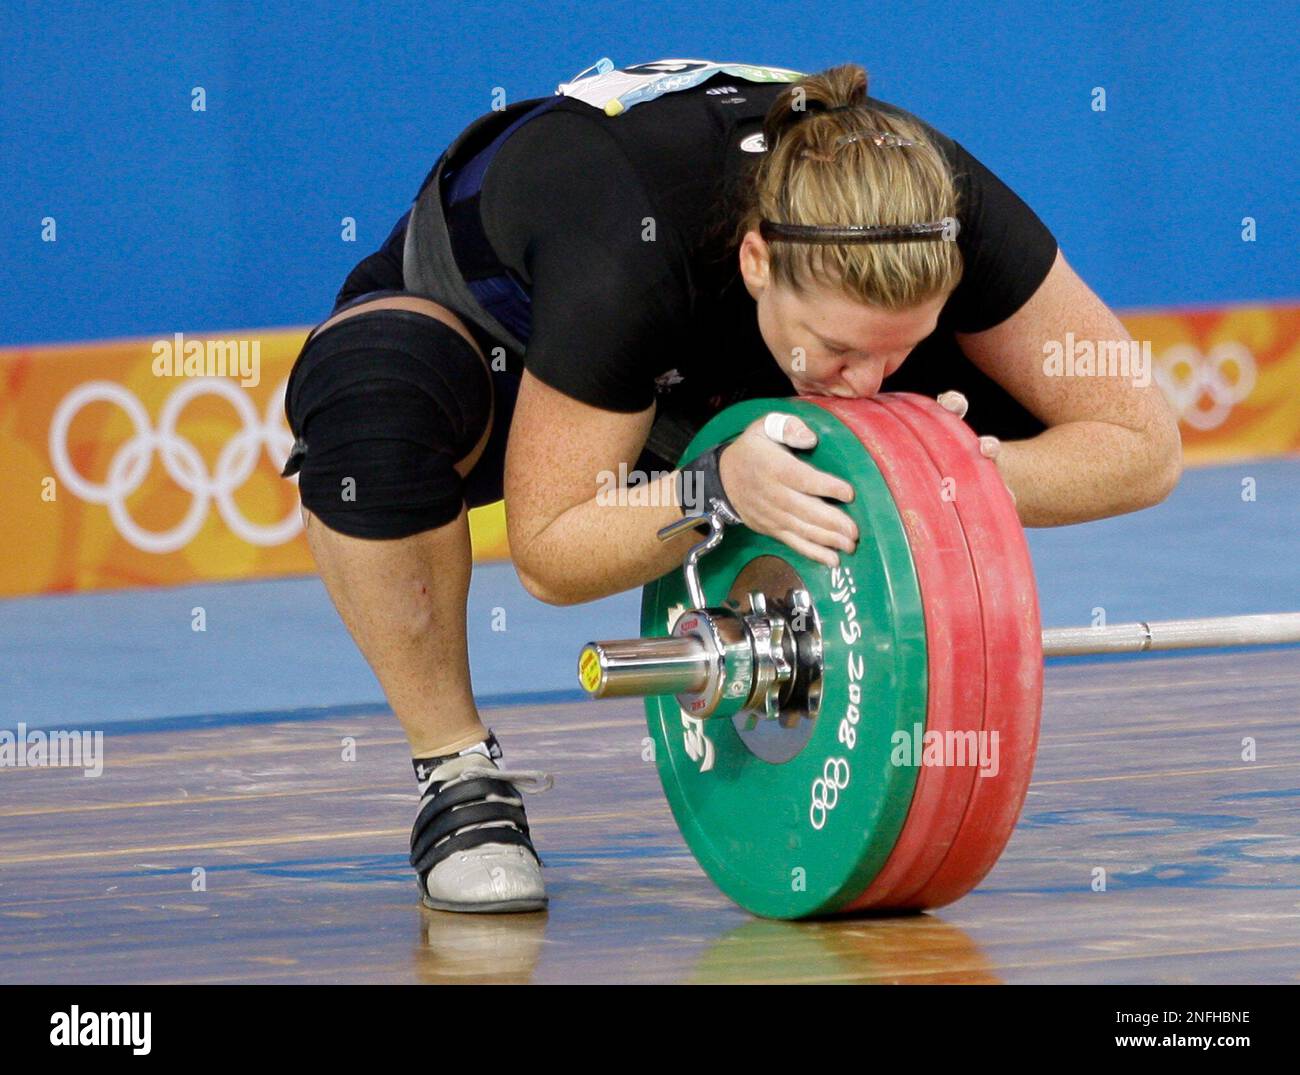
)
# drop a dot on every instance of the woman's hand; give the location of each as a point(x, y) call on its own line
point(990, 447)
point(778, 494)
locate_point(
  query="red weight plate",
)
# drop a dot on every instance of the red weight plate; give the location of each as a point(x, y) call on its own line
point(954, 642)
point(1013, 670)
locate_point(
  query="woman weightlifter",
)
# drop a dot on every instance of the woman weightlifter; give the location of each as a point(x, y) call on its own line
point(582, 281)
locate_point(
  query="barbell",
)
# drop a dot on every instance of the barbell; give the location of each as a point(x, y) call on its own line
point(860, 738)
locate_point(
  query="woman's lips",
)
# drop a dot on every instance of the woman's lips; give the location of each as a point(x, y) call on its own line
point(838, 391)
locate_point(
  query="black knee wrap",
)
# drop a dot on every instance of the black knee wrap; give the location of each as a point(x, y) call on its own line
point(383, 405)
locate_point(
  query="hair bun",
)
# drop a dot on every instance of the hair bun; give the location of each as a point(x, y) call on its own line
point(839, 89)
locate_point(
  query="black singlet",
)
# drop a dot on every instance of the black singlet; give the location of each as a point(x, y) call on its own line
point(619, 321)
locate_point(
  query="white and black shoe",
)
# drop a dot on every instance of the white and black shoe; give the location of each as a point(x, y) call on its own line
point(470, 845)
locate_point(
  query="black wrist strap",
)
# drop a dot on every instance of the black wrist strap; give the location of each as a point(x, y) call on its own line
point(699, 486)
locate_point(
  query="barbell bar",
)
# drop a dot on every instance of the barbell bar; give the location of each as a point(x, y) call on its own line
point(641, 666)
point(1272, 628)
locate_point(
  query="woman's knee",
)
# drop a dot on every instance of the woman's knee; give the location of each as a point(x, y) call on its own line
point(390, 403)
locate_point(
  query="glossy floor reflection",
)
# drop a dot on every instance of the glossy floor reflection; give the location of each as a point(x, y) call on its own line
point(257, 854)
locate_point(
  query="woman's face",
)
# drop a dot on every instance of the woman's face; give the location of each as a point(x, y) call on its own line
point(827, 343)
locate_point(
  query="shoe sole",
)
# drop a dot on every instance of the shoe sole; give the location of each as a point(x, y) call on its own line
point(499, 907)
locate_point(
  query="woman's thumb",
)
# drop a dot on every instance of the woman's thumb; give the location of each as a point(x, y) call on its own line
point(788, 430)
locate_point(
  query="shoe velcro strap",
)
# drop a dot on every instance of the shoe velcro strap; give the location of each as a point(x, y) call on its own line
point(477, 787)
point(437, 801)
point(495, 814)
point(463, 841)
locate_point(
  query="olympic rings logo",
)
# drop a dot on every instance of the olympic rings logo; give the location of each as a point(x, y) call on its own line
point(1226, 376)
point(826, 790)
point(132, 462)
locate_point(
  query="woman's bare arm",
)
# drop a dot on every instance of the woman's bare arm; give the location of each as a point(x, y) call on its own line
point(1113, 445)
point(570, 544)
point(567, 545)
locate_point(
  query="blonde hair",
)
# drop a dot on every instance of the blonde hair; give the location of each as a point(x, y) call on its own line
point(856, 183)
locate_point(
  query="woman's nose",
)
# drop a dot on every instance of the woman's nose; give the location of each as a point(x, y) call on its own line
point(863, 379)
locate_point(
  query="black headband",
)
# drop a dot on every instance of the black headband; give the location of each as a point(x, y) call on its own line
point(856, 233)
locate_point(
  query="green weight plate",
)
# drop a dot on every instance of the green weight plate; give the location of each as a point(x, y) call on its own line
point(803, 835)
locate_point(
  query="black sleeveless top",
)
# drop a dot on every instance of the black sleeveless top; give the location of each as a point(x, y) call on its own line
point(619, 229)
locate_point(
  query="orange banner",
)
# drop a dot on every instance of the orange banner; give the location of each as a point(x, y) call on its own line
point(155, 462)
point(1232, 376)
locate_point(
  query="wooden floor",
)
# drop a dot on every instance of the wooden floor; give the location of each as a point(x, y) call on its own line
point(1140, 772)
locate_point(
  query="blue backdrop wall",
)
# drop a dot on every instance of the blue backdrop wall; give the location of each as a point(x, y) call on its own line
point(170, 219)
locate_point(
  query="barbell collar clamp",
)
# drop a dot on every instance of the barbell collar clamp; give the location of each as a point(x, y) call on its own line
point(690, 565)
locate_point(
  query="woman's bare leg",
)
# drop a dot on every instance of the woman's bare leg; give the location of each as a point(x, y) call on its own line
point(404, 601)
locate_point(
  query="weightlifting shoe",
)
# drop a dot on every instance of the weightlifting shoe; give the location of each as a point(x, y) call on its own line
point(470, 845)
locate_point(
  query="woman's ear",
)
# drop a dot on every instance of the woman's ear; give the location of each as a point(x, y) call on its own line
point(755, 264)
